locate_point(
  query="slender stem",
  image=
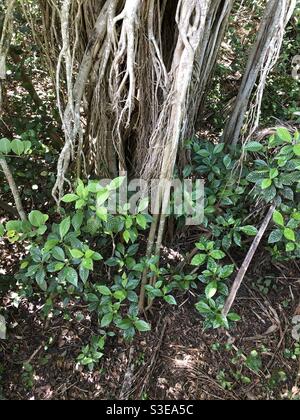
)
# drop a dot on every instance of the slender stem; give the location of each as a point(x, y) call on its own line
point(243, 270)
point(14, 188)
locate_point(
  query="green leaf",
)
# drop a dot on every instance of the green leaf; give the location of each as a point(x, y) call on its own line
point(217, 255)
point(199, 260)
point(64, 227)
point(142, 326)
point(170, 300)
point(289, 234)
point(88, 263)
point(77, 220)
point(203, 308)
point(2, 230)
point(297, 149)
point(227, 161)
point(278, 218)
point(5, 146)
point(290, 247)
point(284, 134)
point(27, 146)
point(40, 279)
point(143, 205)
point(107, 320)
point(17, 147)
point(37, 219)
point(104, 290)
point(116, 183)
point(102, 213)
point(211, 290)
point(72, 276)
point(76, 254)
point(58, 253)
point(219, 148)
point(120, 295)
point(70, 198)
point(141, 221)
point(84, 274)
point(266, 183)
point(234, 317)
point(102, 197)
point(253, 146)
point(275, 237)
point(249, 230)
point(274, 173)
point(126, 236)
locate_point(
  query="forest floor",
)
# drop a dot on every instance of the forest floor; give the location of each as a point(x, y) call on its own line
point(177, 360)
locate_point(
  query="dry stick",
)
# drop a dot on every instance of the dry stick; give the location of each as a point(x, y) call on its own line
point(243, 270)
point(13, 187)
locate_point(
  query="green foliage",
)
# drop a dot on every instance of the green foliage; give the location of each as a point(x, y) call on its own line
point(91, 354)
point(270, 173)
point(18, 147)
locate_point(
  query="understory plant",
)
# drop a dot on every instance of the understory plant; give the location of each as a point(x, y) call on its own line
point(240, 183)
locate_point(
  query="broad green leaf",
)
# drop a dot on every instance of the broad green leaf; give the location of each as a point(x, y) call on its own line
point(274, 173)
point(72, 276)
point(253, 146)
point(102, 213)
point(290, 247)
point(199, 260)
point(203, 308)
point(217, 255)
point(211, 290)
point(37, 219)
point(278, 218)
point(126, 236)
point(284, 134)
point(17, 146)
point(70, 198)
point(266, 183)
point(104, 290)
point(142, 326)
point(234, 317)
point(84, 274)
point(102, 197)
point(275, 237)
point(40, 279)
point(297, 149)
point(2, 230)
point(116, 183)
point(249, 230)
point(170, 300)
point(289, 234)
point(64, 227)
point(77, 220)
point(58, 253)
point(5, 146)
point(88, 263)
point(107, 320)
point(141, 221)
point(219, 148)
point(143, 205)
point(77, 254)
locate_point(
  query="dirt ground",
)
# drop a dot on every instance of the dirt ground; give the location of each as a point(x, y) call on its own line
point(177, 360)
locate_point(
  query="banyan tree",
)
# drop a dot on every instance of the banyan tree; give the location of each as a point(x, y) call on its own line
point(131, 79)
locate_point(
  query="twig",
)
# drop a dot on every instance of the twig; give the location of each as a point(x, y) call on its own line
point(243, 270)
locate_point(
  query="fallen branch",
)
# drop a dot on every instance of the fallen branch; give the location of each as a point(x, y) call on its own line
point(243, 270)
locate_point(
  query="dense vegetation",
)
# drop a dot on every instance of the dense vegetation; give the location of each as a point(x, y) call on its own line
point(80, 103)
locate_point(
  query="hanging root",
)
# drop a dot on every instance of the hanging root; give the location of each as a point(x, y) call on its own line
point(262, 60)
point(5, 43)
